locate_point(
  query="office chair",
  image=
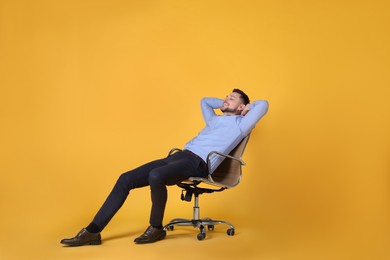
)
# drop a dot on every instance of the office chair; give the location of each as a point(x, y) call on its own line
point(226, 176)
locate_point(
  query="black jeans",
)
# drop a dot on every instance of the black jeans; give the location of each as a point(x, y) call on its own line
point(168, 171)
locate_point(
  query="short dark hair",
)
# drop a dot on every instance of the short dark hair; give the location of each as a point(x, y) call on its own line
point(243, 96)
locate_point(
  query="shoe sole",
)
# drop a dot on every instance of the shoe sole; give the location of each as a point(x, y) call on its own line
point(148, 242)
point(92, 243)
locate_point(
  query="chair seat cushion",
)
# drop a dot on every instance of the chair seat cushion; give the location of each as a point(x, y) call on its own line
point(206, 181)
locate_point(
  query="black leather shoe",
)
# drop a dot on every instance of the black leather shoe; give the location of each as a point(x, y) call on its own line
point(151, 235)
point(83, 238)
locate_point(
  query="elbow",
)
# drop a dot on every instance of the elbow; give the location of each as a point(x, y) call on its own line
point(204, 101)
point(263, 104)
point(266, 104)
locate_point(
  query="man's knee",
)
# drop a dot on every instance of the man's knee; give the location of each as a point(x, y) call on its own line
point(155, 177)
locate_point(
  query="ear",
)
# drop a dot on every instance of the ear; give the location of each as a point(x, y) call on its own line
point(241, 107)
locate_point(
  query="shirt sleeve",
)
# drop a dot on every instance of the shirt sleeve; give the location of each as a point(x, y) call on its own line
point(257, 110)
point(208, 105)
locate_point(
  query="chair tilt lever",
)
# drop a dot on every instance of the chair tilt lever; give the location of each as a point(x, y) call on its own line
point(187, 196)
point(193, 190)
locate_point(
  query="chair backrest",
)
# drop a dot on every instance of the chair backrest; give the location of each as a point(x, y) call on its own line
point(229, 171)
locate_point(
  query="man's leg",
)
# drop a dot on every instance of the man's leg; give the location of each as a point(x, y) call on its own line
point(179, 168)
point(159, 178)
point(136, 178)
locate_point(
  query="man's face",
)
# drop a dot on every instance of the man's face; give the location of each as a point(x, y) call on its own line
point(233, 104)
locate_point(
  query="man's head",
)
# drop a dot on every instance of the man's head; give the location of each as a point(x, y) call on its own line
point(235, 102)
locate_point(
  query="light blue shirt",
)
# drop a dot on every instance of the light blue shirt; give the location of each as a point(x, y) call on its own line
point(223, 132)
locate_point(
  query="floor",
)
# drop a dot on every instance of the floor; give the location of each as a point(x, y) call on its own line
point(182, 243)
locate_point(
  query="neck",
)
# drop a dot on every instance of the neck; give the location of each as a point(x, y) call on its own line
point(229, 114)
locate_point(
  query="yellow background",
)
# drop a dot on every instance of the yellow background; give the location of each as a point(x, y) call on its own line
point(90, 89)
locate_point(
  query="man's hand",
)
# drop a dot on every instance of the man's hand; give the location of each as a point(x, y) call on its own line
point(245, 111)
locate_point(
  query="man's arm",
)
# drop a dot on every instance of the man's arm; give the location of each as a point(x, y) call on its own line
point(208, 105)
point(252, 114)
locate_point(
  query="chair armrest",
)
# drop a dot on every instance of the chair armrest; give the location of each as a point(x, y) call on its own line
point(224, 155)
point(174, 150)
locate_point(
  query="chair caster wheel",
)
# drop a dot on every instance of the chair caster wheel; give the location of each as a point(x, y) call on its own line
point(170, 228)
point(202, 233)
point(210, 227)
point(201, 236)
point(230, 232)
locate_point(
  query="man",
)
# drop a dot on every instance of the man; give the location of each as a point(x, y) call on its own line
point(222, 133)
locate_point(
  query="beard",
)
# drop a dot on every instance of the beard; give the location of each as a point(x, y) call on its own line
point(228, 110)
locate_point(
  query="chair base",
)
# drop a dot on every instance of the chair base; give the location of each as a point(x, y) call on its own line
point(201, 224)
point(193, 191)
